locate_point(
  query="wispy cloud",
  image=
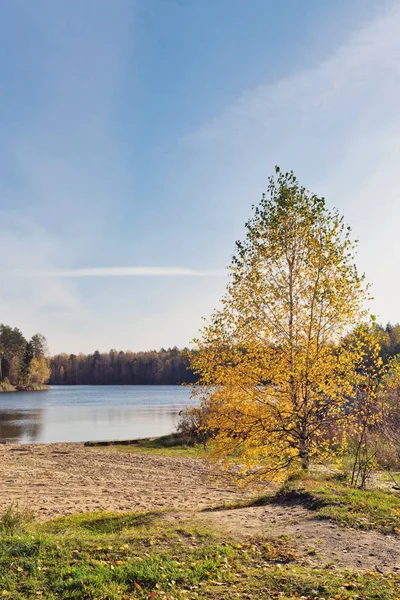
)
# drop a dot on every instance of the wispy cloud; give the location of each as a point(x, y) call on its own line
point(337, 125)
point(311, 98)
point(123, 272)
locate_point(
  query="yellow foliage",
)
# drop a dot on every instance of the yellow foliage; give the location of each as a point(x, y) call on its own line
point(275, 376)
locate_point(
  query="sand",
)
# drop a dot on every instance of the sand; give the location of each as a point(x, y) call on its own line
point(61, 479)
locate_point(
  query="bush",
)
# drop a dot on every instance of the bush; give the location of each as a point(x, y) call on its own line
point(192, 427)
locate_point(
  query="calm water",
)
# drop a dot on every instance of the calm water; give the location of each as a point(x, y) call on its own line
point(85, 412)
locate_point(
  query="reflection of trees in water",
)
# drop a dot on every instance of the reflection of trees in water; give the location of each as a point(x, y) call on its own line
point(21, 424)
point(116, 415)
point(123, 415)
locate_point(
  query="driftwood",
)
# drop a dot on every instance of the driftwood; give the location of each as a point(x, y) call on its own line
point(118, 442)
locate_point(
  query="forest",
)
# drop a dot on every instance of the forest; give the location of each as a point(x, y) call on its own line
point(165, 367)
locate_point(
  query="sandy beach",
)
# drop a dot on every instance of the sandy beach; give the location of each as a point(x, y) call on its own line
point(66, 478)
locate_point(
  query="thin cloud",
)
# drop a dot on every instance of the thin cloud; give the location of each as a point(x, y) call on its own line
point(337, 125)
point(123, 272)
point(310, 97)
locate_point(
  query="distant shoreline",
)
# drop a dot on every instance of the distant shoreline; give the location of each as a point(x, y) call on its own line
point(7, 388)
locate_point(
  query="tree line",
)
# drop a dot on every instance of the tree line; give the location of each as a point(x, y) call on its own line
point(163, 367)
point(23, 363)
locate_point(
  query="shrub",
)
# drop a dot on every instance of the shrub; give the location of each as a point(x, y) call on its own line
point(192, 426)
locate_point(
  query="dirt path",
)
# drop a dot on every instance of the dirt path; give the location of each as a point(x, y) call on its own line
point(320, 542)
point(60, 479)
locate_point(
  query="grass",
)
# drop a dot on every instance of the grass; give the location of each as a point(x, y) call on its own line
point(167, 445)
point(108, 557)
point(144, 555)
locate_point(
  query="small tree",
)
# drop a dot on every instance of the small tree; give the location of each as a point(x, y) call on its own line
point(367, 407)
point(272, 371)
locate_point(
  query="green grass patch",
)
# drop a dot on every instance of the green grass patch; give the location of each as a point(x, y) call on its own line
point(353, 507)
point(108, 557)
point(290, 581)
point(173, 444)
point(141, 556)
point(100, 523)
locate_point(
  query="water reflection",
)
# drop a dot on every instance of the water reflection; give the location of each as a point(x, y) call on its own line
point(18, 426)
point(82, 413)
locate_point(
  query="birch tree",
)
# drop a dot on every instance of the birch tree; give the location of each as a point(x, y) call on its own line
point(273, 373)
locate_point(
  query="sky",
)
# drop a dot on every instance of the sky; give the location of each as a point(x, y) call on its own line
point(136, 135)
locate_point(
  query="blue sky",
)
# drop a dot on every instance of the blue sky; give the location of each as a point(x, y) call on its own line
point(136, 135)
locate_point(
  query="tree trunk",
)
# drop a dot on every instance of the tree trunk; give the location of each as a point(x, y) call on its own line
point(303, 452)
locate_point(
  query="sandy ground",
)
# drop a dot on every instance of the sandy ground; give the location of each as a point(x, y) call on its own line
point(59, 479)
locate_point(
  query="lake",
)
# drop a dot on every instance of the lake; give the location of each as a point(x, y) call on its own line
point(80, 413)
